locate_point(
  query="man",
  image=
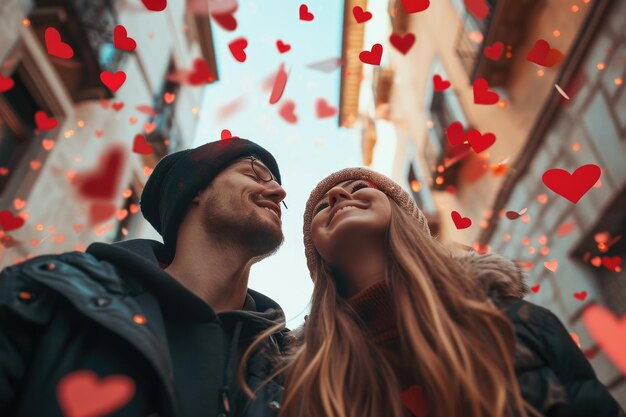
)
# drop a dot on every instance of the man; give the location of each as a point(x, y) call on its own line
point(140, 328)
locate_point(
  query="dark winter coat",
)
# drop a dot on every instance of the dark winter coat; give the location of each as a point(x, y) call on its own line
point(553, 373)
point(113, 311)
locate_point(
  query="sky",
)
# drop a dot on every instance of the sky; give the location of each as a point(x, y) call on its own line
point(306, 151)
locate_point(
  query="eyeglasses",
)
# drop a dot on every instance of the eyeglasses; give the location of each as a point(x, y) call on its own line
point(262, 172)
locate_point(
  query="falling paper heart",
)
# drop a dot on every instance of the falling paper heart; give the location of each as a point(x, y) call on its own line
point(565, 229)
point(118, 106)
point(155, 5)
point(479, 8)
point(415, 6)
point(551, 265)
point(572, 186)
point(373, 56)
point(479, 142)
point(121, 39)
point(6, 84)
point(494, 51)
point(279, 84)
point(226, 20)
point(360, 15)
point(287, 112)
point(439, 83)
point(580, 295)
point(415, 400)
point(305, 14)
point(201, 73)
point(44, 122)
point(323, 109)
point(402, 43)
point(237, 48)
point(512, 215)
point(10, 222)
point(482, 95)
point(535, 288)
point(609, 333)
point(455, 134)
point(225, 135)
point(144, 108)
point(55, 46)
point(282, 46)
point(113, 81)
point(459, 221)
point(612, 263)
point(141, 145)
point(542, 54)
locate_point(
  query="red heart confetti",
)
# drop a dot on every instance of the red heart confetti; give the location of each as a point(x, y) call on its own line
point(121, 39)
point(612, 263)
point(47, 144)
point(494, 51)
point(512, 215)
point(279, 84)
point(99, 133)
point(149, 127)
point(535, 288)
point(552, 265)
point(169, 98)
point(542, 54)
point(609, 333)
point(479, 8)
point(439, 83)
point(35, 165)
point(113, 81)
point(141, 145)
point(82, 393)
point(10, 222)
point(480, 142)
point(323, 109)
point(459, 221)
point(415, 6)
point(282, 46)
point(580, 295)
point(55, 46)
point(305, 14)
point(482, 95)
point(118, 105)
point(226, 20)
point(144, 108)
point(201, 73)
point(373, 56)
point(455, 134)
point(225, 135)
point(565, 229)
point(402, 43)
point(572, 186)
point(6, 84)
point(44, 122)
point(237, 48)
point(360, 15)
point(155, 5)
point(415, 400)
point(287, 112)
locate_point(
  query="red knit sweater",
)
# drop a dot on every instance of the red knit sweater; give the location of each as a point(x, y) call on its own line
point(375, 307)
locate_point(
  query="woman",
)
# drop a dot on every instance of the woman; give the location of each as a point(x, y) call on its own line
point(400, 325)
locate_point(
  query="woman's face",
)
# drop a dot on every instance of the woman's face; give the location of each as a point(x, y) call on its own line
point(352, 213)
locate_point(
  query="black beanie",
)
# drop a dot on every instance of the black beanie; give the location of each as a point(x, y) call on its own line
point(178, 177)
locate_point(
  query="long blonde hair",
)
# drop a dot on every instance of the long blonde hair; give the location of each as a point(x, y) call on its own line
point(458, 346)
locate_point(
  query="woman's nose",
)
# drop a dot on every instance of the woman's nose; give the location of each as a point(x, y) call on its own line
point(337, 194)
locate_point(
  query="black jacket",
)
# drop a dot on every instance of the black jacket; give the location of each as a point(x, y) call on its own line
point(113, 311)
point(554, 375)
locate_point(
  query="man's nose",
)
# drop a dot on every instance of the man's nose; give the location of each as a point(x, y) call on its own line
point(274, 191)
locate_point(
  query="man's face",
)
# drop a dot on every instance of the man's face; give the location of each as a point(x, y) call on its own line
point(241, 209)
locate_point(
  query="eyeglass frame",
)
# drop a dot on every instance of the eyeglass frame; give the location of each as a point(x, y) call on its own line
point(253, 158)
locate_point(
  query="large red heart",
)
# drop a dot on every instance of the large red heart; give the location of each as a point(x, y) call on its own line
point(459, 221)
point(415, 6)
point(542, 54)
point(609, 333)
point(155, 5)
point(279, 84)
point(287, 112)
point(415, 400)
point(102, 182)
point(305, 14)
point(439, 83)
point(226, 20)
point(121, 39)
point(6, 84)
point(324, 109)
point(480, 142)
point(113, 81)
point(55, 46)
point(482, 95)
point(83, 394)
point(237, 48)
point(10, 222)
point(455, 133)
point(44, 122)
point(494, 51)
point(402, 43)
point(372, 57)
point(201, 73)
point(141, 145)
point(572, 186)
point(360, 15)
point(479, 8)
point(282, 46)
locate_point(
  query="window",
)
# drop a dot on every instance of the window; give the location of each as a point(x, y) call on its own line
point(471, 35)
